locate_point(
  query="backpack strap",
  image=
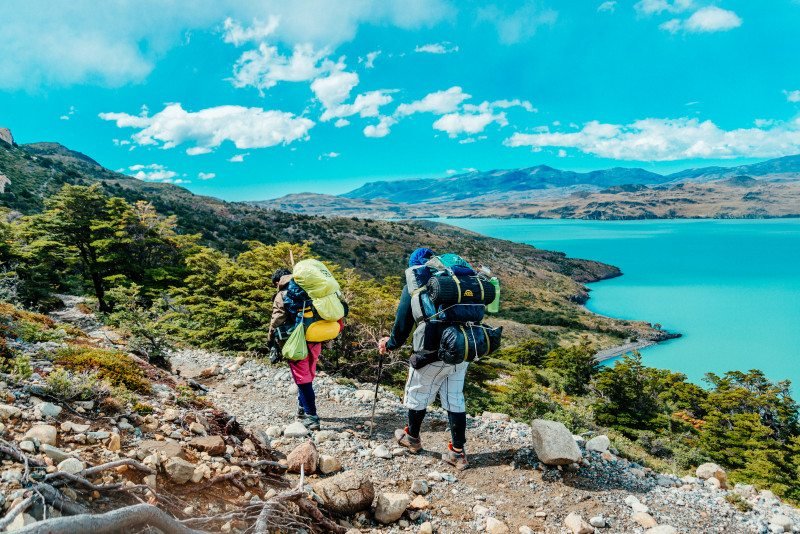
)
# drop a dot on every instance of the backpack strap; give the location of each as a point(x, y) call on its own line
point(458, 285)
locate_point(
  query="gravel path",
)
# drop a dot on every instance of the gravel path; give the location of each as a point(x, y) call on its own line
point(505, 480)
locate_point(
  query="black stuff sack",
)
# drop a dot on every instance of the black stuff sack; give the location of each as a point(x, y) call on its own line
point(461, 343)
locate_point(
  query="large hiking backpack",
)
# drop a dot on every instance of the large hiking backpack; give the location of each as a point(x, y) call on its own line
point(323, 312)
point(448, 302)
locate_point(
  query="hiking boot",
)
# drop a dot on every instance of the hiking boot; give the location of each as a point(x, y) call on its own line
point(456, 459)
point(311, 422)
point(301, 414)
point(414, 445)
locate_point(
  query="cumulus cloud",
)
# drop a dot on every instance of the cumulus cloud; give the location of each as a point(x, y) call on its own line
point(656, 7)
point(154, 172)
point(668, 140)
point(607, 7)
point(238, 158)
point(120, 42)
point(206, 175)
point(381, 129)
point(209, 128)
point(369, 59)
point(456, 124)
point(437, 48)
point(237, 34)
point(68, 115)
point(265, 67)
point(328, 155)
point(518, 25)
point(705, 20)
point(792, 96)
point(439, 102)
point(712, 19)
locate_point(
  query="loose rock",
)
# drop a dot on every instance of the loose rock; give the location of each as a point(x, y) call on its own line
point(390, 506)
point(576, 524)
point(303, 456)
point(346, 493)
point(553, 443)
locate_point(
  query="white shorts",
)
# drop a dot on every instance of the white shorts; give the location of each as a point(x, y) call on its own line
point(437, 377)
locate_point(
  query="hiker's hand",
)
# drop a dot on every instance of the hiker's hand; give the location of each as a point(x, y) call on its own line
point(382, 345)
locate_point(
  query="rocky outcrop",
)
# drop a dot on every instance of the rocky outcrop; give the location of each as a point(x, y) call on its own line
point(6, 137)
point(553, 443)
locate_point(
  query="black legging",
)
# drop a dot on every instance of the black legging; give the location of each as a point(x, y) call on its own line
point(458, 426)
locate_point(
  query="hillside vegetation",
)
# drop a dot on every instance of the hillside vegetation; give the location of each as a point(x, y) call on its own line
point(165, 287)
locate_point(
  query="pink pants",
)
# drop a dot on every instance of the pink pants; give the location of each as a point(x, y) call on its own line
point(304, 371)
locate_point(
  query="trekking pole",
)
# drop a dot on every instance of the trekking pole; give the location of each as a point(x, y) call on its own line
point(375, 398)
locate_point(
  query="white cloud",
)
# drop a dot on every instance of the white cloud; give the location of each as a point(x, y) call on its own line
point(468, 123)
point(712, 19)
point(341, 123)
point(450, 171)
point(607, 7)
point(208, 128)
point(334, 88)
point(121, 142)
point(792, 96)
point(562, 153)
point(238, 158)
point(439, 102)
point(381, 129)
point(364, 105)
point(265, 67)
point(669, 140)
point(153, 173)
point(45, 43)
point(369, 60)
point(437, 48)
point(521, 24)
point(656, 7)
point(237, 34)
point(328, 155)
point(672, 25)
point(68, 115)
point(206, 175)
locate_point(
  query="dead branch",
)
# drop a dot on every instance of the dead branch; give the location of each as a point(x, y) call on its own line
point(15, 511)
point(85, 483)
point(130, 462)
point(264, 463)
point(120, 520)
point(55, 498)
point(319, 520)
point(15, 454)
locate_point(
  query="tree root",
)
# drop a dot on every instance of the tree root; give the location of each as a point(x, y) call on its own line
point(121, 520)
point(15, 511)
point(17, 455)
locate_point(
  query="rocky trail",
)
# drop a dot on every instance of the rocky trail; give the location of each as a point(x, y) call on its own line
point(506, 489)
point(232, 460)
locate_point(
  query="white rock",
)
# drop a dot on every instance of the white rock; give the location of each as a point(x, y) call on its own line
point(495, 526)
point(661, 529)
point(598, 444)
point(636, 505)
point(22, 520)
point(274, 432)
point(712, 470)
point(553, 443)
point(71, 466)
point(420, 487)
point(598, 521)
point(27, 446)
point(577, 525)
point(782, 521)
point(8, 411)
point(295, 430)
point(424, 528)
point(390, 506)
point(480, 510)
point(382, 451)
point(48, 409)
point(179, 470)
point(524, 529)
point(44, 433)
point(365, 395)
point(495, 416)
point(644, 520)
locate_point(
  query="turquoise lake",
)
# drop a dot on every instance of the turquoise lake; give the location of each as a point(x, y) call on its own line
point(731, 287)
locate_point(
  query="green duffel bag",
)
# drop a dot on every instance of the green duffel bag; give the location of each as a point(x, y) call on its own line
point(295, 348)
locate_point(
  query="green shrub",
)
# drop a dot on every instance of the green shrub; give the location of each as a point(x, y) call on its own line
point(67, 386)
point(116, 368)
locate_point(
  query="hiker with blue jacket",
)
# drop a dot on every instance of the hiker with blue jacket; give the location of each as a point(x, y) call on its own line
point(447, 336)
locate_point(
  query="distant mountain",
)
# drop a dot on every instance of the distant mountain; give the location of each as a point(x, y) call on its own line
point(766, 189)
point(500, 183)
point(786, 168)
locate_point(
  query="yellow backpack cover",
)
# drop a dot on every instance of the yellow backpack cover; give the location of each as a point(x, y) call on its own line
point(318, 281)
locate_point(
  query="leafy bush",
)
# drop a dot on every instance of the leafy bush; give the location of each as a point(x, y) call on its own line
point(67, 386)
point(143, 322)
point(116, 368)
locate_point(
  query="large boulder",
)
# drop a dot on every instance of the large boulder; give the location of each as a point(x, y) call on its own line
point(346, 493)
point(295, 430)
point(390, 507)
point(553, 443)
point(165, 449)
point(305, 456)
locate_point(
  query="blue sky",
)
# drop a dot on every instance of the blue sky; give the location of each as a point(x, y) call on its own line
point(253, 100)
